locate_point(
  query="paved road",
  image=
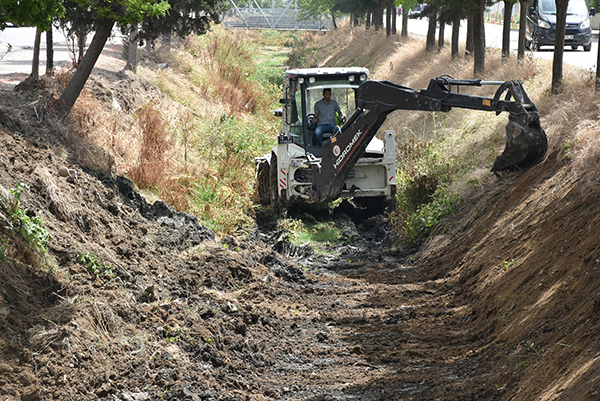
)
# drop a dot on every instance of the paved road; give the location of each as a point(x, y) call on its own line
point(493, 33)
point(16, 64)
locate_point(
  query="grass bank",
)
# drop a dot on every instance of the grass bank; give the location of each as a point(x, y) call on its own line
point(444, 159)
point(193, 144)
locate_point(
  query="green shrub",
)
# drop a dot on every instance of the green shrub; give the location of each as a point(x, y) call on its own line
point(93, 265)
point(26, 238)
point(414, 221)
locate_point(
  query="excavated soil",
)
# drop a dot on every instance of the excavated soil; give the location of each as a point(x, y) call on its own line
point(502, 306)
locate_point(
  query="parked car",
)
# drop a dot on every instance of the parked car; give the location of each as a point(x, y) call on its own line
point(417, 10)
point(541, 24)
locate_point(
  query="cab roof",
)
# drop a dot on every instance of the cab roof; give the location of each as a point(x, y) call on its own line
point(329, 72)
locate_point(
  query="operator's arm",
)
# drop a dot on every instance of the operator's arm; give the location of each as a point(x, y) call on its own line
point(338, 112)
point(316, 109)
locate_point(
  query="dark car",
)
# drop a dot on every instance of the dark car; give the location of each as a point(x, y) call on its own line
point(541, 24)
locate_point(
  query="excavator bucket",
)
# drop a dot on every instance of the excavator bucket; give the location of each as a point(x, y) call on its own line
point(526, 141)
point(526, 144)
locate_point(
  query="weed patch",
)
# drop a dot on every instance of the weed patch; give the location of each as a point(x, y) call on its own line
point(154, 158)
point(415, 217)
point(225, 84)
point(94, 266)
point(24, 236)
point(321, 235)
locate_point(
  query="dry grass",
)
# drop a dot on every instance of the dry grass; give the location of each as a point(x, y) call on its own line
point(160, 165)
point(350, 46)
point(91, 129)
point(139, 145)
point(200, 158)
point(154, 160)
point(225, 60)
point(215, 108)
point(572, 122)
point(59, 204)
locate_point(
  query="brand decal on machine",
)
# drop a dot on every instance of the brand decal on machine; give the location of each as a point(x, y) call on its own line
point(336, 150)
point(347, 150)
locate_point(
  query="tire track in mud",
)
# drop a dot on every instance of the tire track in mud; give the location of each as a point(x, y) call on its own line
point(373, 331)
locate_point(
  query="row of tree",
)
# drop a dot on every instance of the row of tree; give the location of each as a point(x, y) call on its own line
point(452, 11)
point(148, 18)
point(449, 12)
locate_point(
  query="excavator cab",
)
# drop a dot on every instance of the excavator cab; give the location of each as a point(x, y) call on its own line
point(304, 87)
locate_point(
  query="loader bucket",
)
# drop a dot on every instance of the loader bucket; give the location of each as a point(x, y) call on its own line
point(526, 144)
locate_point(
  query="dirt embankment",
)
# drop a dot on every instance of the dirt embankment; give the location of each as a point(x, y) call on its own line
point(508, 310)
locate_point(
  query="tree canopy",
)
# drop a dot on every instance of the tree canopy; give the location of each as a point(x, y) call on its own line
point(185, 17)
point(37, 13)
point(105, 13)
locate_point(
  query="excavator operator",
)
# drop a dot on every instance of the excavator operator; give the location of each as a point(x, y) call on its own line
point(326, 110)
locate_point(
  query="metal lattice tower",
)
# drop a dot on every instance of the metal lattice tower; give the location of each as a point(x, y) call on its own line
point(249, 14)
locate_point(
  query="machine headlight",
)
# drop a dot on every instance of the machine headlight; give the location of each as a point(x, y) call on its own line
point(585, 24)
point(351, 78)
point(544, 24)
point(363, 78)
point(311, 80)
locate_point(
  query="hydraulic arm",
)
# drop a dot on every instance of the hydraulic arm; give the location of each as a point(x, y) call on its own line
point(526, 141)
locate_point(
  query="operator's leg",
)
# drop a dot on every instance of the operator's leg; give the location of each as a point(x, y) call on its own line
point(318, 141)
point(320, 130)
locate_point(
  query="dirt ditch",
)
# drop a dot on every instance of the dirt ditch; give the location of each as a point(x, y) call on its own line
point(183, 316)
point(144, 303)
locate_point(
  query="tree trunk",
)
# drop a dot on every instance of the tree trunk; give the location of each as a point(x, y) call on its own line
point(368, 21)
point(598, 70)
point(559, 45)
point(441, 37)
point(394, 19)
point(430, 43)
point(76, 84)
point(132, 47)
point(479, 40)
point(469, 45)
point(522, 27)
point(81, 38)
point(508, 6)
point(166, 40)
point(333, 21)
point(404, 22)
point(378, 17)
point(455, 38)
point(49, 52)
point(388, 20)
point(35, 64)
